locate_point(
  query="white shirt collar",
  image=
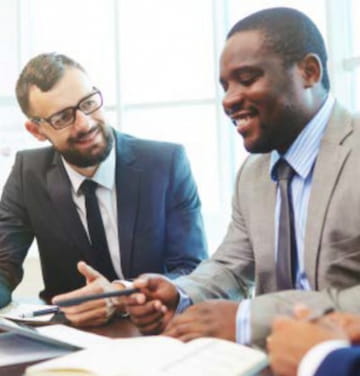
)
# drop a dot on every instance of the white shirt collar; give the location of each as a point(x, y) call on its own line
point(104, 175)
point(302, 153)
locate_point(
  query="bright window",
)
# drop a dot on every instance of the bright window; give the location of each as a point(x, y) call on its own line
point(157, 65)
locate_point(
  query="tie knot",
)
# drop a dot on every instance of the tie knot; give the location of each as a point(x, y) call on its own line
point(88, 187)
point(284, 170)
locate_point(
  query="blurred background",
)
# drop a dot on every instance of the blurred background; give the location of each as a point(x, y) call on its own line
point(156, 62)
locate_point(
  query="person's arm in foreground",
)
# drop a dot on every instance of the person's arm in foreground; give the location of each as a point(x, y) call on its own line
point(293, 339)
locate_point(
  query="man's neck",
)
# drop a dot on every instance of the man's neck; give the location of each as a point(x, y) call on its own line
point(85, 171)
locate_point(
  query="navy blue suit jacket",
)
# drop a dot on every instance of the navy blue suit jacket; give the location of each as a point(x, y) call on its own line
point(341, 362)
point(159, 220)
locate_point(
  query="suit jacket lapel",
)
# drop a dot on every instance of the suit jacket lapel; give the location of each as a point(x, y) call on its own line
point(266, 190)
point(59, 189)
point(332, 156)
point(128, 192)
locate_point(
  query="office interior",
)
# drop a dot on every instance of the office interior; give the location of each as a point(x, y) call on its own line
point(156, 63)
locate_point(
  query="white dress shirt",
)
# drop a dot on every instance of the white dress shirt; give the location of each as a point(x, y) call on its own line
point(106, 195)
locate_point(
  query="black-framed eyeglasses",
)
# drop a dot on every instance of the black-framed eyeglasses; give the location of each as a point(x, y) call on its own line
point(67, 116)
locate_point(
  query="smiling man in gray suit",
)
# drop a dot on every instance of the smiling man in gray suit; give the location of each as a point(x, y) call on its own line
point(145, 192)
point(273, 71)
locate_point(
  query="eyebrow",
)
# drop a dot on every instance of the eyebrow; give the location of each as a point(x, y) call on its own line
point(240, 70)
point(67, 107)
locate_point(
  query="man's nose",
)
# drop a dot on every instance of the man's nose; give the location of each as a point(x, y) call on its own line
point(82, 121)
point(233, 100)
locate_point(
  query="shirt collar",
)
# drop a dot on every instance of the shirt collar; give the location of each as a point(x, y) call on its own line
point(302, 153)
point(104, 175)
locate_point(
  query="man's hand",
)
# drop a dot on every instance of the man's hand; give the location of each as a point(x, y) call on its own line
point(213, 318)
point(152, 308)
point(349, 322)
point(95, 312)
point(292, 338)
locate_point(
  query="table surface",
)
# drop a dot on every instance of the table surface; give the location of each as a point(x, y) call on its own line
point(117, 328)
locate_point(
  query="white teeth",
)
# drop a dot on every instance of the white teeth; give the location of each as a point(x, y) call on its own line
point(243, 121)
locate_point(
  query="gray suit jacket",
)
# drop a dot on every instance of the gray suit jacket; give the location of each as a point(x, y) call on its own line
point(245, 259)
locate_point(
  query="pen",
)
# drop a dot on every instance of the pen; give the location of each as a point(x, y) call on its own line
point(85, 298)
point(40, 312)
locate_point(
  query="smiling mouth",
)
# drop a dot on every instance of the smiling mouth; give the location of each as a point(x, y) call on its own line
point(86, 137)
point(243, 119)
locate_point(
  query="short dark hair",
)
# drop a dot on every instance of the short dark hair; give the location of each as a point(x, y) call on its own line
point(289, 33)
point(43, 71)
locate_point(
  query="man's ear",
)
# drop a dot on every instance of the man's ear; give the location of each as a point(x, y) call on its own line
point(34, 129)
point(312, 70)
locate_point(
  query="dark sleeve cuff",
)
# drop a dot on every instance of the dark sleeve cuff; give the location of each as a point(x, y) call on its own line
point(344, 361)
point(5, 293)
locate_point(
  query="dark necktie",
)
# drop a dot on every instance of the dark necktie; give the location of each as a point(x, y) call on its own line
point(287, 252)
point(96, 231)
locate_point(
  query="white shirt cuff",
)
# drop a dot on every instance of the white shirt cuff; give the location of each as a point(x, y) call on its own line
point(315, 356)
point(243, 330)
point(184, 301)
point(127, 284)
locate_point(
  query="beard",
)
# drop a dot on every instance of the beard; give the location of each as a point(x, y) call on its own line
point(95, 154)
point(280, 133)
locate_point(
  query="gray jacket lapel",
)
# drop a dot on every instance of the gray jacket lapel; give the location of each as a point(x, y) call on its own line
point(265, 199)
point(332, 155)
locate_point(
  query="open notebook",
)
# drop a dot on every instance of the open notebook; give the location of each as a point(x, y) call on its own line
point(157, 355)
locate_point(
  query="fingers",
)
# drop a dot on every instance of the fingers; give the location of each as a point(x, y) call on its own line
point(84, 307)
point(185, 328)
point(140, 312)
point(141, 282)
point(92, 288)
point(177, 330)
point(90, 313)
point(134, 299)
point(301, 311)
point(150, 317)
point(185, 336)
point(88, 272)
point(281, 322)
point(96, 316)
point(148, 284)
point(69, 295)
point(151, 286)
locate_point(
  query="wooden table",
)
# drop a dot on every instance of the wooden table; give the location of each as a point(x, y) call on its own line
point(115, 329)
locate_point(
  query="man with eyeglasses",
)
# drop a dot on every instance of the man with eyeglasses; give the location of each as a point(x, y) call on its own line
point(140, 214)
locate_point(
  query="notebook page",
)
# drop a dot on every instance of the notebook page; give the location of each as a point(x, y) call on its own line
point(216, 357)
point(73, 336)
point(122, 357)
